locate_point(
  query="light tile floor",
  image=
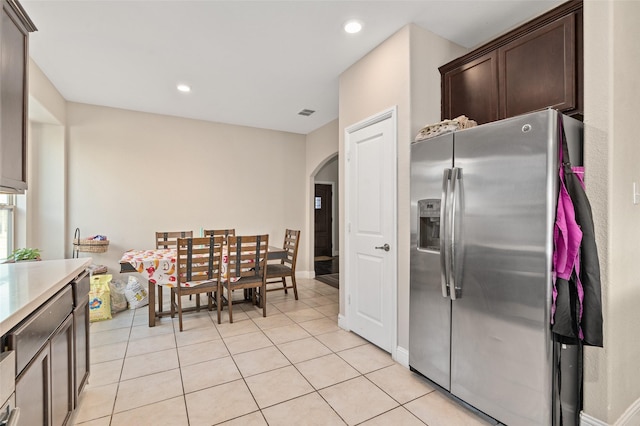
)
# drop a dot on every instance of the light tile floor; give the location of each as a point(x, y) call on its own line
point(294, 367)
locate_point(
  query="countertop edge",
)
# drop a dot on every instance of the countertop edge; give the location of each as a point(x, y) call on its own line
point(58, 272)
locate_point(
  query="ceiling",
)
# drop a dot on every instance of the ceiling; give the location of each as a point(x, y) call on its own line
point(251, 63)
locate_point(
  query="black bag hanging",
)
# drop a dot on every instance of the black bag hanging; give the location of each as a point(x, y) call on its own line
point(575, 320)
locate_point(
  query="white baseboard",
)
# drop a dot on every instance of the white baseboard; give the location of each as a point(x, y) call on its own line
point(587, 420)
point(342, 322)
point(402, 356)
point(631, 416)
point(305, 274)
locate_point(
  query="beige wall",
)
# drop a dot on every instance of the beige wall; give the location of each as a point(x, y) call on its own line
point(46, 209)
point(81, 167)
point(45, 101)
point(612, 152)
point(41, 211)
point(402, 71)
point(131, 174)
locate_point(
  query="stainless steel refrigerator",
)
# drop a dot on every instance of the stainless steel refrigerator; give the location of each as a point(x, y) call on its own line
point(482, 215)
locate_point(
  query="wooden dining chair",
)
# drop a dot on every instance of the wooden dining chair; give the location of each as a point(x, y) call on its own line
point(224, 232)
point(246, 266)
point(198, 263)
point(278, 272)
point(168, 240)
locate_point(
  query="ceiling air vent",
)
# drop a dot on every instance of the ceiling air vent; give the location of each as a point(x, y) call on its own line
point(306, 112)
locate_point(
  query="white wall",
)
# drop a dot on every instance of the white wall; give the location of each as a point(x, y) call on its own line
point(612, 153)
point(401, 71)
point(132, 174)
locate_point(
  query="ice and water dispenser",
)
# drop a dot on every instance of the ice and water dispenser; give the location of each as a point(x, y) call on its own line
point(429, 224)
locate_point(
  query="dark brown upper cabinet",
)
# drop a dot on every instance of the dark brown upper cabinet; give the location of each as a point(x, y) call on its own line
point(538, 65)
point(15, 26)
point(471, 89)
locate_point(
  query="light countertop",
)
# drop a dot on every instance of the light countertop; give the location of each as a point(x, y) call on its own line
point(26, 285)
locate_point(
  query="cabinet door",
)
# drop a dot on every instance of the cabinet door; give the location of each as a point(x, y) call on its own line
point(538, 70)
point(472, 89)
point(81, 346)
point(62, 373)
point(33, 390)
point(13, 99)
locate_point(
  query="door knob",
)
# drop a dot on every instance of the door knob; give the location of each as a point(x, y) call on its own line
point(384, 247)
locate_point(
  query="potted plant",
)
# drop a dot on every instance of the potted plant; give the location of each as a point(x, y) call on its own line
point(24, 254)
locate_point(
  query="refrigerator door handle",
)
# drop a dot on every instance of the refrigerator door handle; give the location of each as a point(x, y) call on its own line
point(455, 271)
point(445, 265)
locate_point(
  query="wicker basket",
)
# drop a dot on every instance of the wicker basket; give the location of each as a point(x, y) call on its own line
point(91, 246)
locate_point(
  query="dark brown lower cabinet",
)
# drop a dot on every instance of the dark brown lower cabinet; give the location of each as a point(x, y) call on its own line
point(81, 345)
point(52, 356)
point(62, 383)
point(44, 390)
point(33, 390)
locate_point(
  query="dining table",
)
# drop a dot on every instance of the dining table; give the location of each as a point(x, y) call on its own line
point(158, 267)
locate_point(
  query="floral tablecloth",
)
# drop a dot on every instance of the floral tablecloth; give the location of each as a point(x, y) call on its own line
point(158, 265)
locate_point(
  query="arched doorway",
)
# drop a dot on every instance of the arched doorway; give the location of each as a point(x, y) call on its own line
point(326, 241)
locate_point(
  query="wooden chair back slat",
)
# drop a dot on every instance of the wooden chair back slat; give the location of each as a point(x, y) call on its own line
point(166, 240)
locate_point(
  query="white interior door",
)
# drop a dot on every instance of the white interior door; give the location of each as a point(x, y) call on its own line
point(370, 205)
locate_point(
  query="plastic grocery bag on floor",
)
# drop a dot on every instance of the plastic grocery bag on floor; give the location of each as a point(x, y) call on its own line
point(118, 298)
point(136, 294)
point(100, 298)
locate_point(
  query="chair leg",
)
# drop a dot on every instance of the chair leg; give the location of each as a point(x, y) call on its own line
point(180, 310)
point(284, 285)
point(219, 301)
point(230, 304)
point(172, 296)
point(263, 299)
point(295, 287)
point(159, 298)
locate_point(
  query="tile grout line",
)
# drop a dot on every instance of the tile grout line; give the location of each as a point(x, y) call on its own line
point(214, 321)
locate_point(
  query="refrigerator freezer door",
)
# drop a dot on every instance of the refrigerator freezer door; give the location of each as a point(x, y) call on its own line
point(501, 350)
point(429, 310)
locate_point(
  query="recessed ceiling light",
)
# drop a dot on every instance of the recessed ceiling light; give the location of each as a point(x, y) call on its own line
point(185, 88)
point(353, 26)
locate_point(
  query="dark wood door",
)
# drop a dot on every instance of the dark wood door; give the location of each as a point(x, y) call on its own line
point(323, 218)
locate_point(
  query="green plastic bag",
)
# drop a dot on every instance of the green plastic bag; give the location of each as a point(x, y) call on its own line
point(100, 298)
